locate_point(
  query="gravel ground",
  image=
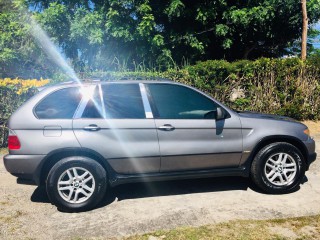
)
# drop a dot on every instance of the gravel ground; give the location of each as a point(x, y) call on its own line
point(138, 208)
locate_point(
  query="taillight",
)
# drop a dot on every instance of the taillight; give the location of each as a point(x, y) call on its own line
point(13, 141)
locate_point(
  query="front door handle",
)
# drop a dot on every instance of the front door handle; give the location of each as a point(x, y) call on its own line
point(166, 127)
point(92, 127)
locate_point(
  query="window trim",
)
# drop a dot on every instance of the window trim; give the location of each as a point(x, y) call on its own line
point(103, 107)
point(146, 104)
point(83, 103)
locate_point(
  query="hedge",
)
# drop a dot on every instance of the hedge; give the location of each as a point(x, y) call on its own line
point(280, 86)
point(13, 92)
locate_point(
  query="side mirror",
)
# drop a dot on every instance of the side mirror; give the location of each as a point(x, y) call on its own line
point(220, 114)
point(217, 114)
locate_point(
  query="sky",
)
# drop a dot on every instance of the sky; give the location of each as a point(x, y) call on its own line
point(316, 44)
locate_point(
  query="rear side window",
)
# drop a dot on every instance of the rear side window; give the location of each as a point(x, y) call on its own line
point(120, 101)
point(60, 104)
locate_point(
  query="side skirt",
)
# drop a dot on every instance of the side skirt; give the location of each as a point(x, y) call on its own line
point(118, 179)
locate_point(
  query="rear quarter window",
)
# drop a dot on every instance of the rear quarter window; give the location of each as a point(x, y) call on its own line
point(60, 104)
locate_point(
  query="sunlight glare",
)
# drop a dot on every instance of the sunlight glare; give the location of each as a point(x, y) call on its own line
point(51, 50)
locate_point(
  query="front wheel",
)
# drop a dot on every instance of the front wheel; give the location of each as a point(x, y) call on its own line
point(76, 184)
point(278, 168)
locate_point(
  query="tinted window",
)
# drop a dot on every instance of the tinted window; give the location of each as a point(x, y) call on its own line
point(60, 104)
point(179, 102)
point(119, 101)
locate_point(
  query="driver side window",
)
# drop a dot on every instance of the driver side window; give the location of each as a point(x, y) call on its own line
point(179, 102)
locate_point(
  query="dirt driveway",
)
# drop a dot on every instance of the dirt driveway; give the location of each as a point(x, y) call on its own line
point(137, 208)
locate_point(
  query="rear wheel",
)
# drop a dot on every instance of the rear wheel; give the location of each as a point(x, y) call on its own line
point(278, 168)
point(76, 184)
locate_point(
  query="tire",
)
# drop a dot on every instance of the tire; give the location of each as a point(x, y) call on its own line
point(76, 184)
point(278, 168)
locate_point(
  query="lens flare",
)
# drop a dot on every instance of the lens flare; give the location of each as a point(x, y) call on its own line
point(51, 50)
point(55, 55)
point(43, 40)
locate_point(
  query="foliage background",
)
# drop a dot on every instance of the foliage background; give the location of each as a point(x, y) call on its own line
point(113, 35)
point(13, 92)
point(175, 39)
point(280, 86)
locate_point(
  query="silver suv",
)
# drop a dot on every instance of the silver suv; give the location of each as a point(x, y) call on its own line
point(79, 139)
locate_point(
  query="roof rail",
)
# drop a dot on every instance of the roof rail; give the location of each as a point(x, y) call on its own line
point(67, 82)
point(90, 80)
point(145, 78)
point(55, 84)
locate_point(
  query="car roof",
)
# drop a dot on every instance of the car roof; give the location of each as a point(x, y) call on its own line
point(102, 82)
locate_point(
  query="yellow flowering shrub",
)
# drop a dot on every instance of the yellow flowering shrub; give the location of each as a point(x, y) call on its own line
point(14, 92)
point(22, 85)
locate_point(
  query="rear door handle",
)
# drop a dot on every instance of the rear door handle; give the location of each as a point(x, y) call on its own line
point(92, 127)
point(166, 127)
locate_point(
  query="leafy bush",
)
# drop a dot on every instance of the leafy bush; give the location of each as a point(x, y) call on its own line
point(279, 86)
point(13, 92)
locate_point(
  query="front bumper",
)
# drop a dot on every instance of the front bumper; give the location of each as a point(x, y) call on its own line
point(25, 167)
point(312, 155)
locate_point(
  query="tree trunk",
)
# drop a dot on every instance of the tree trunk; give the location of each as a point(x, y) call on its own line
point(304, 30)
point(248, 50)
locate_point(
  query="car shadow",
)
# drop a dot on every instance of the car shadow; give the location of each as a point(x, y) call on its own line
point(177, 187)
point(166, 188)
point(40, 195)
point(163, 188)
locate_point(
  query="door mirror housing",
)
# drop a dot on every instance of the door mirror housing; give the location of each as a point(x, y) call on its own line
point(216, 114)
point(220, 114)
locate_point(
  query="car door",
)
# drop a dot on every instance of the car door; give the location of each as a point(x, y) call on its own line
point(114, 121)
point(189, 136)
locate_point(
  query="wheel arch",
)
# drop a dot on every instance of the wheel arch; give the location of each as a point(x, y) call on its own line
point(278, 138)
point(55, 156)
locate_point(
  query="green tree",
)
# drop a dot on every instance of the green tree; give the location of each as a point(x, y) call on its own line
point(20, 55)
point(12, 38)
point(134, 34)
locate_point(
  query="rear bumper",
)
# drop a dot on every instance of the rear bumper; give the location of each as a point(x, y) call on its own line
point(25, 167)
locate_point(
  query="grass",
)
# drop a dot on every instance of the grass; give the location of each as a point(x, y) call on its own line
point(3, 151)
point(10, 218)
point(292, 228)
point(4, 203)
